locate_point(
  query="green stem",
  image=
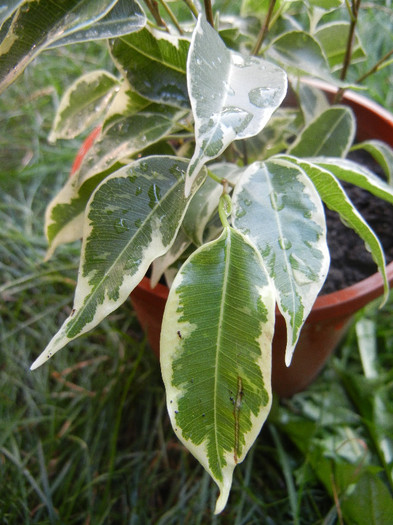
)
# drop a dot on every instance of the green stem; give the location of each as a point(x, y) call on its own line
point(209, 12)
point(220, 180)
point(152, 5)
point(172, 16)
point(264, 28)
point(376, 67)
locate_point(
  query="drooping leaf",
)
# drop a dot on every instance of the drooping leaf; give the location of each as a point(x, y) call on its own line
point(37, 24)
point(232, 96)
point(358, 175)
point(331, 133)
point(333, 38)
point(82, 104)
point(382, 153)
point(277, 207)
point(216, 354)
point(335, 198)
point(125, 17)
point(154, 63)
point(131, 219)
point(205, 201)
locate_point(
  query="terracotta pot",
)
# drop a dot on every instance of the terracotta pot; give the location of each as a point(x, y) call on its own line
point(331, 314)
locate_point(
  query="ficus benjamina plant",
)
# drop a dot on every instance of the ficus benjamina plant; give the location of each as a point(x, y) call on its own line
point(201, 176)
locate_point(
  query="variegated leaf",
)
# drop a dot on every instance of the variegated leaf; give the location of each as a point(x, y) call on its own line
point(125, 17)
point(37, 24)
point(205, 201)
point(331, 134)
point(126, 103)
point(154, 63)
point(354, 173)
point(335, 198)
point(131, 219)
point(232, 96)
point(312, 102)
point(333, 38)
point(161, 264)
point(300, 53)
point(83, 104)
point(216, 354)
point(126, 137)
point(64, 216)
point(277, 207)
point(382, 153)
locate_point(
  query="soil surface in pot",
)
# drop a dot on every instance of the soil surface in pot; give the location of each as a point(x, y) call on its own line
point(350, 261)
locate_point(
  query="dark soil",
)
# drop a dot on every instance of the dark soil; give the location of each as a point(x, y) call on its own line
point(350, 261)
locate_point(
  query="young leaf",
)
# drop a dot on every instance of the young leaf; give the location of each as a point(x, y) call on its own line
point(277, 207)
point(154, 63)
point(232, 96)
point(36, 25)
point(334, 130)
point(216, 354)
point(131, 219)
point(205, 201)
point(335, 198)
point(82, 104)
point(381, 152)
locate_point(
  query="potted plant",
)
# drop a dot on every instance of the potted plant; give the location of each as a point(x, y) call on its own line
point(198, 173)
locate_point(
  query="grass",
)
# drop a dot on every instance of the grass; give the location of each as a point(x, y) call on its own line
point(86, 439)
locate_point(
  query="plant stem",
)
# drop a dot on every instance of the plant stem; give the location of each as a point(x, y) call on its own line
point(152, 5)
point(348, 53)
point(209, 12)
point(376, 67)
point(172, 16)
point(264, 28)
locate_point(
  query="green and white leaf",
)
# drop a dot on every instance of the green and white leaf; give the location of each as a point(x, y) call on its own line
point(37, 24)
point(64, 216)
point(154, 63)
point(300, 53)
point(216, 354)
point(125, 103)
point(126, 137)
point(312, 102)
point(125, 17)
point(358, 175)
point(335, 198)
point(276, 206)
point(232, 96)
point(331, 134)
point(382, 153)
point(131, 219)
point(82, 104)
point(333, 38)
point(205, 202)
point(161, 264)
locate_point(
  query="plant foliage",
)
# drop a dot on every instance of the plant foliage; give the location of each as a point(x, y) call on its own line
point(146, 193)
